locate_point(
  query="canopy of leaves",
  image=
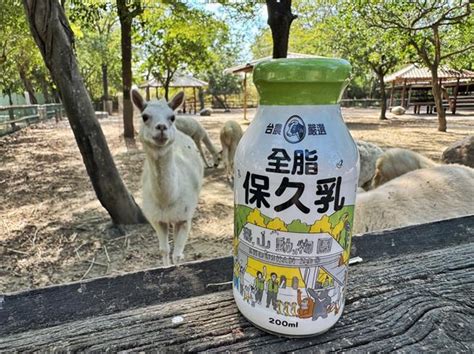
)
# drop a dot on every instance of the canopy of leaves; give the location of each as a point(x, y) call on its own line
point(371, 38)
point(18, 53)
point(97, 35)
point(176, 38)
point(439, 30)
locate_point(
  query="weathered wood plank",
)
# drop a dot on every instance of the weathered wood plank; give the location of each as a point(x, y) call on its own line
point(417, 238)
point(412, 303)
point(58, 304)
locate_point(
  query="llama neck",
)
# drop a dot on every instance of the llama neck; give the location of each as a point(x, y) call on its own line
point(164, 175)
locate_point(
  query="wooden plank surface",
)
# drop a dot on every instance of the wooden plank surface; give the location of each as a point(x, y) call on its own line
point(419, 302)
point(58, 304)
point(53, 305)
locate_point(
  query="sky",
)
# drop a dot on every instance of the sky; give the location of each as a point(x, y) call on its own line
point(250, 28)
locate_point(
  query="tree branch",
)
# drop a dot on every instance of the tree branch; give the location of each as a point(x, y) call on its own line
point(457, 52)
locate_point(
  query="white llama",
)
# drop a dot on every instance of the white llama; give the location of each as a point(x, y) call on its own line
point(172, 174)
point(230, 135)
point(194, 129)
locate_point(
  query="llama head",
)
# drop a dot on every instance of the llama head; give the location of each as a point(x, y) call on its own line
point(157, 128)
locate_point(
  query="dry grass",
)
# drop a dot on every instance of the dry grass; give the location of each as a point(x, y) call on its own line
point(53, 230)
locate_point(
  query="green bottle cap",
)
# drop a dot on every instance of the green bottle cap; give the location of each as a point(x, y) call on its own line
point(304, 81)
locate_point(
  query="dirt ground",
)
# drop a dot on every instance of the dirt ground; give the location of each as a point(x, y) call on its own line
point(53, 229)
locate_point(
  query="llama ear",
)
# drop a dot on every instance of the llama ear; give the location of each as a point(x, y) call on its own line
point(176, 100)
point(138, 99)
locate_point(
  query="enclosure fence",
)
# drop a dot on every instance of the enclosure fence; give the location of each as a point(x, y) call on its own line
point(13, 118)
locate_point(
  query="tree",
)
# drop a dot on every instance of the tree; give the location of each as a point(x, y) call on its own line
point(54, 37)
point(97, 32)
point(315, 33)
point(17, 61)
point(352, 38)
point(221, 84)
point(428, 27)
point(127, 11)
point(172, 40)
point(279, 20)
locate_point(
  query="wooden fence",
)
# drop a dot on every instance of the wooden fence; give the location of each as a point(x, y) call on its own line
point(13, 118)
point(360, 102)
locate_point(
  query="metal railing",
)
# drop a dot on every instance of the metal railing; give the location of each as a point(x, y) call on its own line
point(13, 118)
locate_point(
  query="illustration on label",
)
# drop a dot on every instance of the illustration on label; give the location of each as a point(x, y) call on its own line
point(297, 269)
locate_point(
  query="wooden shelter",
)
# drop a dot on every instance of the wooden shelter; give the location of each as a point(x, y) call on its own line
point(180, 81)
point(414, 84)
point(248, 68)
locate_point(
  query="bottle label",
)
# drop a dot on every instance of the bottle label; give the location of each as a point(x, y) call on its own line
point(293, 221)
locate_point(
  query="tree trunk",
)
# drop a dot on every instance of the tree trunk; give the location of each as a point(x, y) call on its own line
point(44, 89)
point(105, 86)
point(56, 94)
point(54, 37)
point(126, 44)
point(167, 90)
point(28, 86)
point(383, 96)
point(220, 101)
point(201, 98)
point(436, 89)
point(41, 79)
point(279, 20)
point(11, 114)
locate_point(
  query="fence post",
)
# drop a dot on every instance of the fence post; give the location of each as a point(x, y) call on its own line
point(11, 114)
point(58, 113)
point(42, 114)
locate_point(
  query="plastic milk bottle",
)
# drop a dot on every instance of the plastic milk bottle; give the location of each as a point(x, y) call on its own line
point(295, 181)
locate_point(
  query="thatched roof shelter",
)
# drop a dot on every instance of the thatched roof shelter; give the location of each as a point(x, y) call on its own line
point(416, 74)
point(179, 80)
point(416, 79)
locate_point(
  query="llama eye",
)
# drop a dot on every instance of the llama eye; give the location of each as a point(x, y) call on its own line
point(172, 118)
point(145, 117)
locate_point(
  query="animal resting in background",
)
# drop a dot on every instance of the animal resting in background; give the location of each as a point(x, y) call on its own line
point(196, 131)
point(420, 196)
point(396, 162)
point(368, 153)
point(399, 110)
point(230, 135)
point(172, 174)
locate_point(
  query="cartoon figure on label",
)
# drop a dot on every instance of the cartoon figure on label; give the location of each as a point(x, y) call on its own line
point(242, 279)
point(279, 307)
point(259, 285)
point(236, 274)
point(306, 306)
point(272, 290)
point(293, 310)
point(286, 309)
point(322, 301)
point(326, 282)
point(247, 293)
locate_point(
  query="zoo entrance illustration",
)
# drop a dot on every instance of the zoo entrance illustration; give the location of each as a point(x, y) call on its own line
point(297, 270)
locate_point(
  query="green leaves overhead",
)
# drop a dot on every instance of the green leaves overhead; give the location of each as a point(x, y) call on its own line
point(174, 38)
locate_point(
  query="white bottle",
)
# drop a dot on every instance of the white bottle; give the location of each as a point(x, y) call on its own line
point(296, 172)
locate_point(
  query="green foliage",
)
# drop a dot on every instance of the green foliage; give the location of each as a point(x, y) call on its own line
point(18, 52)
point(241, 212)
point(97, 35)
point(439, 30)
point(176, 38)
point(222, 84)
point(377, 37)
point(298, 226)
